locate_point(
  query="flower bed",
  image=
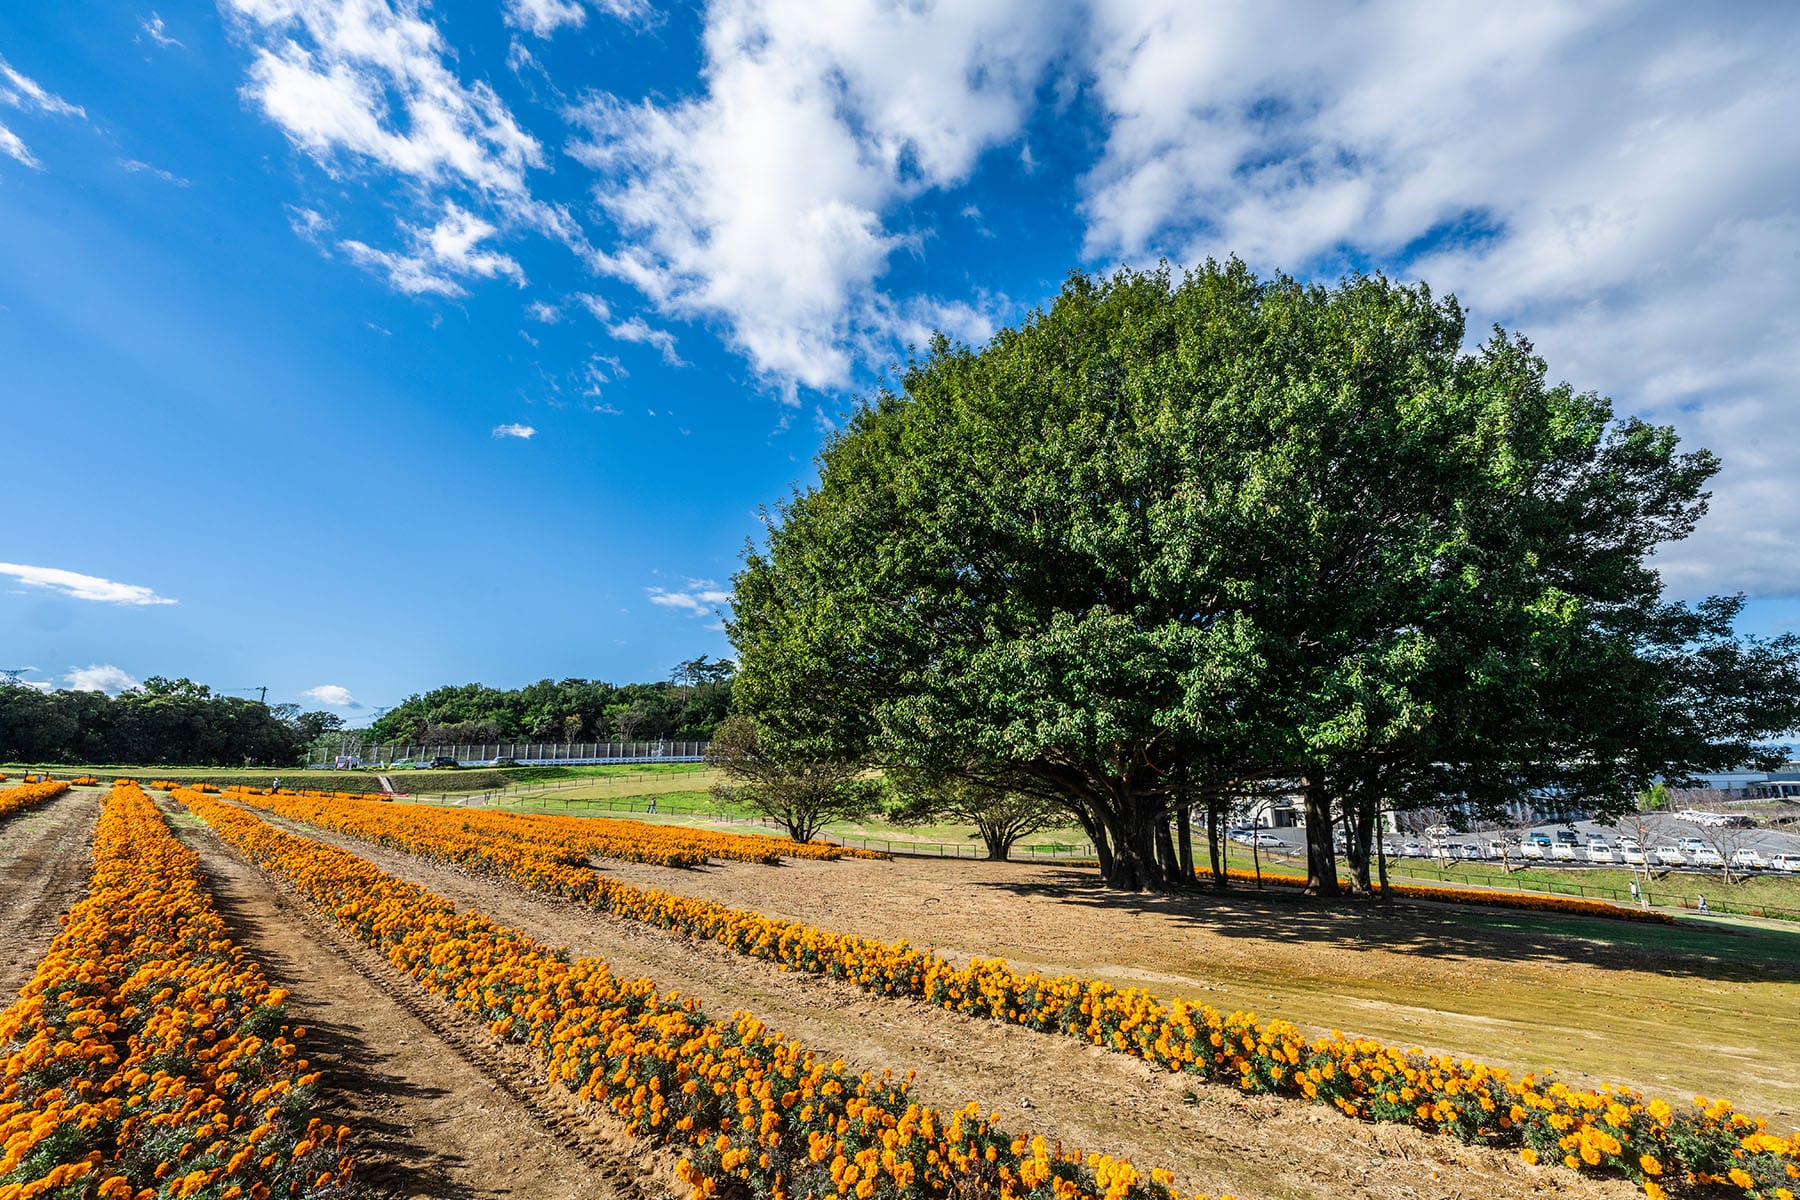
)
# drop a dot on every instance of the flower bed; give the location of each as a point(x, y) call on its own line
point(1365, 1079)
point(745, 1103)
point(26, 795)
point(148, 1057)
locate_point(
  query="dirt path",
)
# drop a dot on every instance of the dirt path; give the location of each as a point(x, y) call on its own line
point(46, 853)
point(436, 1109)
point(1216, 1138)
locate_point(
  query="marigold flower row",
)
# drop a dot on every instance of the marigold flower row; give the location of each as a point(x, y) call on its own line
point(1363, 1078)
point(744, 1102)
point(18, 799)
point(566, 839)
point(148, 1057)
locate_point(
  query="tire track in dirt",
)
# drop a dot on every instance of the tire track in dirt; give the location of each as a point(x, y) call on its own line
point(435, 1107)
point(46, 855)
point(1216, 1138)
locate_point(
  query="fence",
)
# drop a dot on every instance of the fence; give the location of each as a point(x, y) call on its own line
point(535, 754)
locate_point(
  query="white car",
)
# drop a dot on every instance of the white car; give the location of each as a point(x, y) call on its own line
point(1413, 850)
point(1599, 852)
point(1785, 862)
point(1706, 856)
point(1564, 851)
point(1267, 841)
point(1533, 849)
point(1633, 855)
point(1750, 859)
point(1669, 856)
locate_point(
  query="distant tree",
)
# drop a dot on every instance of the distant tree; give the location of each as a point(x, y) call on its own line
point(1000, 815)
point(803, 794)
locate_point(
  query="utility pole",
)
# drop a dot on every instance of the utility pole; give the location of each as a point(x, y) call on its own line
point(13, 676)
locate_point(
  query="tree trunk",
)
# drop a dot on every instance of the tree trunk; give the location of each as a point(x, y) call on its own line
point(1321, 863)
point(1184, 833)
point(1215, 839)
point(1165, 853)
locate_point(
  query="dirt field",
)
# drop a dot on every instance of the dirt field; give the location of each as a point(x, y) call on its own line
point(45, 854)
point(440, 1110)
point(1518, 989)
point(437, 1110)
point(1216, 1138)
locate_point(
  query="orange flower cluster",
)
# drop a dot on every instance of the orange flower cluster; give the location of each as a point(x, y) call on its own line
point(558, 839)
point(1475, 896)
point(1362, 1078)
point(746, 1104)
point(147, 1057)
point(85, 781)
point(18, 799)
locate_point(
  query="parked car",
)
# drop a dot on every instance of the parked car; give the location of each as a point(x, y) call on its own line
point(1535, 848)
point(1785, 862)
point(1706, 856)
point(1633, 855)
point(441, 762)
point(1598, 851)
point(1498, 849)
point(1692, 845)
point(1669, 856)
point(1412, 850)
point(1268, 841)
point(1749, 858)
point(504, 762)
point(1438, 831)
point(1563, 850)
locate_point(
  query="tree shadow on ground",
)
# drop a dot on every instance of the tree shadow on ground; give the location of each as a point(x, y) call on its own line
point(1440, 930)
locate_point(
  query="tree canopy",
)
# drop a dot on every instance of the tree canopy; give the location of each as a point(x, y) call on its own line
point(168, 721)
point(687, 708)
point(1177, 538)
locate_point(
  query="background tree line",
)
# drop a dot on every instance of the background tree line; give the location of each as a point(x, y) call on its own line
point(174, 722)
point(686, 707)
point(1176, 542)
point(177, 722)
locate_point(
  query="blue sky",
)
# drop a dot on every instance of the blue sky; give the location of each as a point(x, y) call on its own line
point(357, 346)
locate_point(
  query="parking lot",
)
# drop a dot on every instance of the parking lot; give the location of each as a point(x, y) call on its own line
point(1568, 845)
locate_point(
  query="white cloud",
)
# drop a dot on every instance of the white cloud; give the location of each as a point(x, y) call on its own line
point(701, 597)
point(134, 166)
point(153, 25)
point(440, 257)
point(538, 310)
point(371, 80)
point(82, 587)
point(1620, 189)
point(333, 695)
point(544, 17)
point(22, 92)
point(595, 305)
point(765, 202)
point(308, 223)
point(639, 330)
point(14, 148)
point(99, 678)
point(524, 432)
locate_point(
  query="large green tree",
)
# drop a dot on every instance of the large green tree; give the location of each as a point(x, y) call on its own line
point(1175, 538)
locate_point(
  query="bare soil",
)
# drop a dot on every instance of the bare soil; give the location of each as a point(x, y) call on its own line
point(1598, 1001)
point(436, 1108)
point(1215, 1138)
point(46, 854)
